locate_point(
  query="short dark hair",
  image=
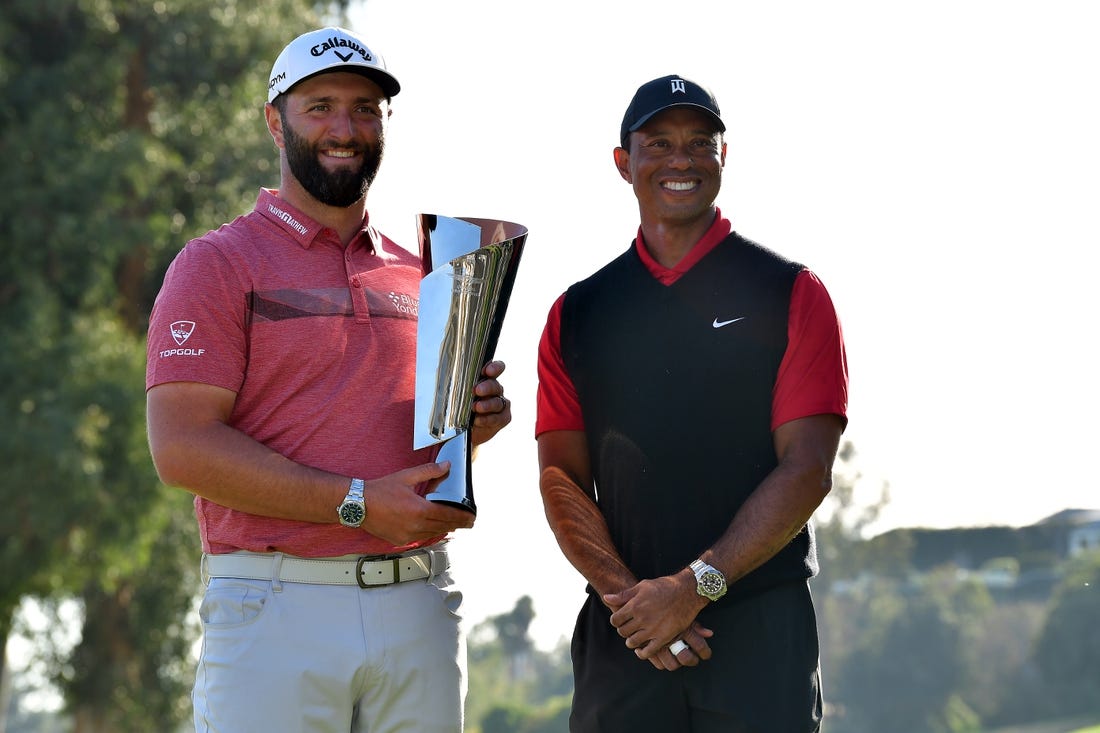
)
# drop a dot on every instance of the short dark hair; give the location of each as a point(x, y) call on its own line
point(280, 104)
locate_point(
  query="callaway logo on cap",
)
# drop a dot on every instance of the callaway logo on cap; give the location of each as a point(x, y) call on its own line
point(328, 49)
point(660, 94)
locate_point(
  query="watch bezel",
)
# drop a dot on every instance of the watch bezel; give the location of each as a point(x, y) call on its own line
point(709, 581)
point(712, 585)
point(352, 513)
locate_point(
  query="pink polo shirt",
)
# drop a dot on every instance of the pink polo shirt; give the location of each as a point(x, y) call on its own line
point(318, 342)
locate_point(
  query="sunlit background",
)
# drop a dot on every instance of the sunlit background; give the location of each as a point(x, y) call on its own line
point(935, 163)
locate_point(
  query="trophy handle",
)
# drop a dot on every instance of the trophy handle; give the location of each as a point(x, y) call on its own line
point(457, 488)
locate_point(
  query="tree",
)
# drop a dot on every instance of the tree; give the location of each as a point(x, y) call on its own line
point(842, 521)
point(128, 127)
point(553, 717)
point(912, 657)
point(1068, 650)
point(514, 686)
point(511, 629)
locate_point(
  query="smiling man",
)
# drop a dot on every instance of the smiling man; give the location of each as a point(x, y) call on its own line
point(330, 604)
point(692, 395)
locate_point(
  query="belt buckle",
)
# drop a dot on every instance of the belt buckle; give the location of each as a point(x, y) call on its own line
point(395, 559)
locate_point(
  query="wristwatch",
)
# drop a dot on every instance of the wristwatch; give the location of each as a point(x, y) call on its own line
point(709, 581)
point(353, 510)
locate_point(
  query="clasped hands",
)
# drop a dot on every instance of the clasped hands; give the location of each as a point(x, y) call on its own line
point(654, 613)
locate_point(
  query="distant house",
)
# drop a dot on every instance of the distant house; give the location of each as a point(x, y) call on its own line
point(1018, 560)
point(1084, 538)
point(1082, 529)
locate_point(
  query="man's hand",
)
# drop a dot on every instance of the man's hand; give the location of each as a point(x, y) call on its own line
point(397, 514)
point(492, 410)
point(691, 648)
point(654, 613)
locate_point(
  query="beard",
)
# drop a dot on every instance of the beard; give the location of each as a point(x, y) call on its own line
point(341, 188)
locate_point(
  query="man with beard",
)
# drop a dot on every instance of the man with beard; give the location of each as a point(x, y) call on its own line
point(281, 381)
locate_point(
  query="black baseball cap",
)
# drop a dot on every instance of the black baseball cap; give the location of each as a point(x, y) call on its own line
point(661, 94)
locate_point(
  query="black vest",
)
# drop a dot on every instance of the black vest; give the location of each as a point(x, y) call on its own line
point(675, 384)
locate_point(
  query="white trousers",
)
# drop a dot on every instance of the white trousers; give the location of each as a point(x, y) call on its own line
point(281, 657)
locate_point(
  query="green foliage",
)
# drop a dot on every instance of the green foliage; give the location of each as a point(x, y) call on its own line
point(128, 127)
point(842, 521)
point(1068, 652)
point(907, 654)
point(957, 717)
point(511, 628)
point(137, 634)
point(552, 717)
point(514, 686)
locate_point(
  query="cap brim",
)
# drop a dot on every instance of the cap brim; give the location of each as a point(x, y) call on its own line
point(710, 113)
point(389, 84)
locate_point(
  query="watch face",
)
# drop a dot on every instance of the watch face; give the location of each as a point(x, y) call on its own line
point(352, 514)
point(712, 585)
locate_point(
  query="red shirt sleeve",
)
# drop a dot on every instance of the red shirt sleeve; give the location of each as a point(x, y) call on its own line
point(813, 376)
point(557, 405)
point(198, 295)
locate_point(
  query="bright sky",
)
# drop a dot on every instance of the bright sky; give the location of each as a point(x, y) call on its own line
point(937, 163)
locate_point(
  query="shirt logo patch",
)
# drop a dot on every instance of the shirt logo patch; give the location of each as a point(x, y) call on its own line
point(182, 330)
point(405, 304)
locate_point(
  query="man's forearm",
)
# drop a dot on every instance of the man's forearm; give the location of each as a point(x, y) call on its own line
point(228, 467)
point(582, 533)
point(784, 502)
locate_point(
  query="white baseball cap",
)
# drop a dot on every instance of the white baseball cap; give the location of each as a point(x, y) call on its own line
point(328, 49)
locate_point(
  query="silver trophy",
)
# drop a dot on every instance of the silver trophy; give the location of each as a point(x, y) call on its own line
point(469, 267)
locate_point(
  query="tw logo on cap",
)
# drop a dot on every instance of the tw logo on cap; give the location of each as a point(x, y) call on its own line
point(678, 85)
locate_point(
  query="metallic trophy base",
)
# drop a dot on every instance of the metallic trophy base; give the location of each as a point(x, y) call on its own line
point(456, 488)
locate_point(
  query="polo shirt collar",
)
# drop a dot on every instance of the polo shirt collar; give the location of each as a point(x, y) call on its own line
point(717, 233)
point(301, 227)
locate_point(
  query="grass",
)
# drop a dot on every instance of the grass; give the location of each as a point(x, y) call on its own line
point(1063, 726)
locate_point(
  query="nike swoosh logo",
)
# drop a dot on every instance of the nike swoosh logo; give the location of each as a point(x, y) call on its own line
point(719, 324)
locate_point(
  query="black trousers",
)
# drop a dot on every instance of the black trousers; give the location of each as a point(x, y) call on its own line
point(764, 675)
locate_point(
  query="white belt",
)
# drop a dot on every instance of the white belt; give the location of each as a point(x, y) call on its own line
point(365, 571)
